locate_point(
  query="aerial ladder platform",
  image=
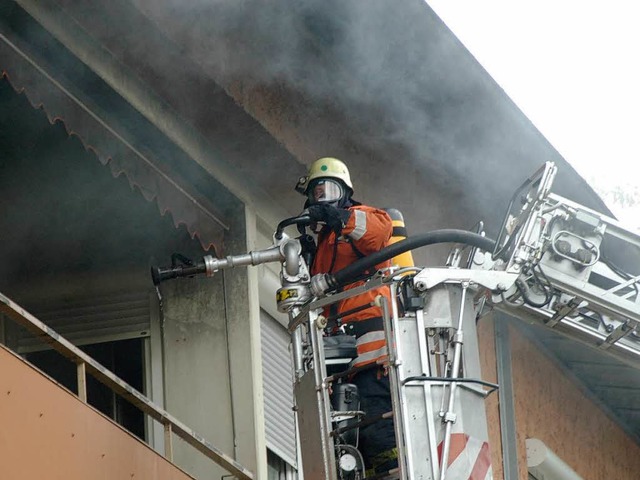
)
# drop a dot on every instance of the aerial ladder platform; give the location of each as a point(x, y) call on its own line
point(550, 264)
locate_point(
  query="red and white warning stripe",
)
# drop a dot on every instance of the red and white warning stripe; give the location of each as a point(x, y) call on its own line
point(469, 458)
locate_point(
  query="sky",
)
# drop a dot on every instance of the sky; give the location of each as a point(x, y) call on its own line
point(573, 68)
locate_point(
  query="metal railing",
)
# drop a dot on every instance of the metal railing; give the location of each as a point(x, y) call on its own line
point(85, 364)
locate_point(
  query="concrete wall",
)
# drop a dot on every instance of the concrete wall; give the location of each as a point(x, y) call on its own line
point(212, 360)
point(196, 379)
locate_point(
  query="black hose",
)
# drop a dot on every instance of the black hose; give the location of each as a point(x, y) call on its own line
point(301, 219)
point(347, 274)
point(524, 291)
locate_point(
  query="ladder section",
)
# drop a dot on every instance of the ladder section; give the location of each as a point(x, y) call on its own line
point(440, 395)
point(598, 294)
point(574, 277)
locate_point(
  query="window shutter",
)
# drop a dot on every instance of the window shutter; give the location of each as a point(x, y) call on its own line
point(277, 375)
point(92, 320)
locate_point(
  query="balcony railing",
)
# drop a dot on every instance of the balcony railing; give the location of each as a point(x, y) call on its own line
point(85, 364)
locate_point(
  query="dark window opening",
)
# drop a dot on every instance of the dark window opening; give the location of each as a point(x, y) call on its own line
point(124, 358)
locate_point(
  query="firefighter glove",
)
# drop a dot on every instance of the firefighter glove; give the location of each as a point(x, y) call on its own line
point(334, 218)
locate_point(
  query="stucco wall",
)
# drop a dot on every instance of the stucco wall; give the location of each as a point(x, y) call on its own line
point(212, 360)
point(197, 384)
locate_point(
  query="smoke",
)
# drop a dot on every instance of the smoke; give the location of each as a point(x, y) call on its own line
point(63, 211)
point(382, 83)
point(379, 82)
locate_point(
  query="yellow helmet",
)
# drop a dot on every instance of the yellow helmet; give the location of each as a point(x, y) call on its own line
point(326, 167)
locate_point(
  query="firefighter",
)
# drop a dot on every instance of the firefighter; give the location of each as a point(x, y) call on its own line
point(347, 231)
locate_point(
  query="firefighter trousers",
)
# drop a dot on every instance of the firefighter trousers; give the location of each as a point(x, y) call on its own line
point(377, 441)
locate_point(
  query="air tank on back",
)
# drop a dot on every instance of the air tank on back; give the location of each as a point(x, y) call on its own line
point(399, 233)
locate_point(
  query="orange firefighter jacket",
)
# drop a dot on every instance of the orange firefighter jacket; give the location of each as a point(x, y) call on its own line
point(368, 230)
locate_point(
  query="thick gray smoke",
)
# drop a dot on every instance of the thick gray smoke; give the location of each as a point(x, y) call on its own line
point(383, 83)
point(63, 212)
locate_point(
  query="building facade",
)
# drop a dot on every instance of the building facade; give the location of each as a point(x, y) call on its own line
point(135, 130)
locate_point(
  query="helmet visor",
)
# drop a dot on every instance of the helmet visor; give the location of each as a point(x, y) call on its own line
point(324, 190)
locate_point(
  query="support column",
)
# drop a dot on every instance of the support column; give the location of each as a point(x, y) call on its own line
point(213, 372)
point(242, 305)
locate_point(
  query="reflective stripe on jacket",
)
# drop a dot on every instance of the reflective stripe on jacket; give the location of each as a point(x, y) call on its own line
point(368, 230)
point(371, 346)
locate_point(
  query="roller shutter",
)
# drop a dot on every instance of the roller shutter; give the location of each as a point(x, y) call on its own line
point(92, 319)
point(278, 389)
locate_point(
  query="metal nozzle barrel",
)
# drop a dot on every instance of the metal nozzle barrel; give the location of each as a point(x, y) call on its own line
point(160, 274)
point(210, 265)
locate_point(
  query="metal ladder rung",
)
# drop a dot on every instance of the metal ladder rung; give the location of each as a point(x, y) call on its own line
point(619, 332)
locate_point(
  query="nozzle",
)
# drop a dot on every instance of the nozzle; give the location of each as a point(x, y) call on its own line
point(210, 265)
point(160, 274)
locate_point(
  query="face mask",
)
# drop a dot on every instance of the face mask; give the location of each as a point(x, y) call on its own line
point(324, 190)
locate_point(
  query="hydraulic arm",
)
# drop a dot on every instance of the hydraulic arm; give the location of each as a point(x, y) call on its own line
point(566, 258)
point(553, 262)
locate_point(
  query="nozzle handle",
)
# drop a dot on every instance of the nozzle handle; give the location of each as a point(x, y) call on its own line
point(303, 219)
